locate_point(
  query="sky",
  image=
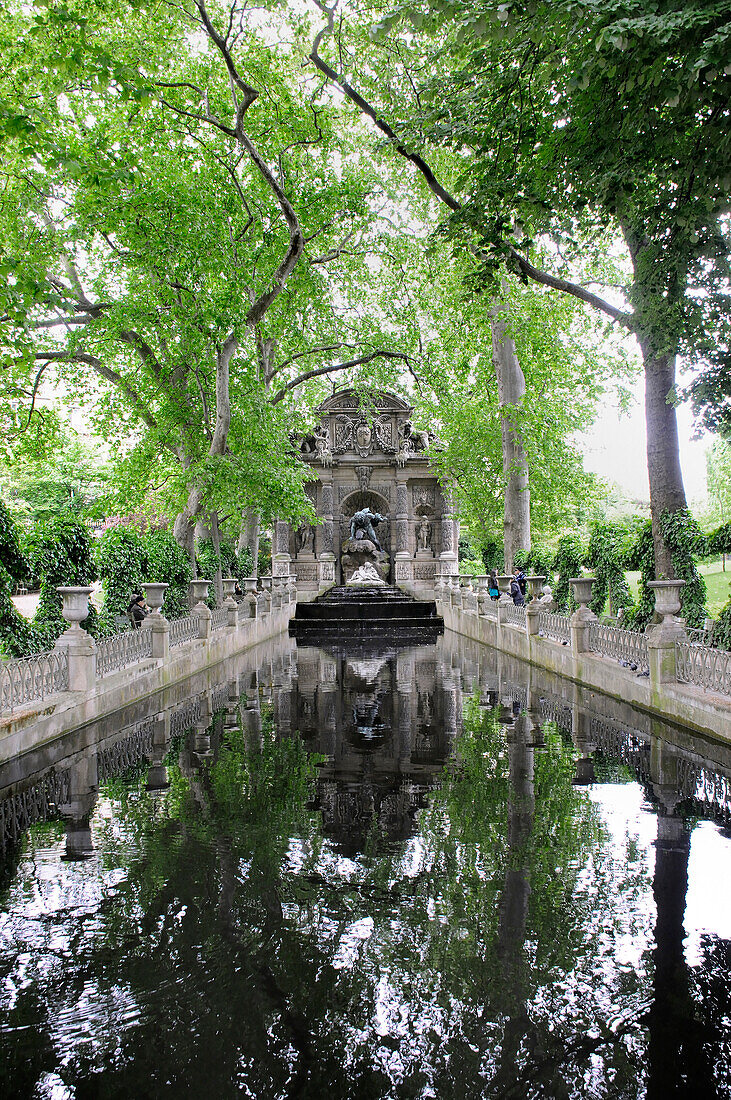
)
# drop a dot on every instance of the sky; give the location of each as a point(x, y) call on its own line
point(615, 448)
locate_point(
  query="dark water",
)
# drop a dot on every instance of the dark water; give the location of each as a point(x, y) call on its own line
point(419, 873)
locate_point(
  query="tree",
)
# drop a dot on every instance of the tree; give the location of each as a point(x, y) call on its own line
point(169, 231)
point(570, 119)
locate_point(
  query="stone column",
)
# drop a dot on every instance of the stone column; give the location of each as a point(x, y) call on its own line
point(449, 538)
point(80, 646)
point(281, 557)
point(403, 567)
point(326, 699)
point(326, 569)
point(404, 688)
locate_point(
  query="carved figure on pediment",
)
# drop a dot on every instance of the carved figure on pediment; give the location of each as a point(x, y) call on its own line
point(322, 445)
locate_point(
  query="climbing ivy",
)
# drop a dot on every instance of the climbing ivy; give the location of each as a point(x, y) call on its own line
point(127, 559)
point(570, 556)
point(606, 557)
point(167, 562)
point(121, 559)
point(60, 553)
point(538, 561)
point(686, 543)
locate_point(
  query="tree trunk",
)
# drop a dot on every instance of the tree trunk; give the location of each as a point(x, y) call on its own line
point(667, 493)
point(249, 538)
point(218, 575)
point(511, 390)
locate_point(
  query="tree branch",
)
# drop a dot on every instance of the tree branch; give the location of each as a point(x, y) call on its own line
point(336, 367)
point(140, 406)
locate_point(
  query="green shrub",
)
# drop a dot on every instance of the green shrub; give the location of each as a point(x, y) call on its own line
point(167, 562)
point(537, 561)
point(606, 557)
point(60, 553)
point(570, 556)
point(122, 561)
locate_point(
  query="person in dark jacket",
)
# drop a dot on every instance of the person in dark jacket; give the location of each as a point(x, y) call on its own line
point(520, 578)
point(137, 611)
point(517, 595)
point(492, 586)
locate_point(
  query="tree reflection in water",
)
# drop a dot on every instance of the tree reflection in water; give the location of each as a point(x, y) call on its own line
point(372, 887)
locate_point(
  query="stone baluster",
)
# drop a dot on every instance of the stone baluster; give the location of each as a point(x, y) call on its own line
point(266, 587)
point(80, 646)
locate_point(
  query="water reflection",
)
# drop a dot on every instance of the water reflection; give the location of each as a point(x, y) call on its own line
point(348, 872)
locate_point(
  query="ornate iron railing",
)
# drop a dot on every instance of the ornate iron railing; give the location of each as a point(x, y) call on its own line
point(629, 746)
point(127, 752)
point(37, 803)
point(121, 650)
point(490, 609)
point(184, 630)
point(184, 717)
point(27, 679)
point(704, 788)
point(219, 618)
point(705, 667)
point(626, 645)
point(553, 625)
point(515, 615)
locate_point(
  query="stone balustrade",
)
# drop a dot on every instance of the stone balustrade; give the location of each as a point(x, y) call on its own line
point(658, 668)
point(80, 664)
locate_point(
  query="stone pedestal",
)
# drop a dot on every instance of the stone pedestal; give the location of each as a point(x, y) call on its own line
point(583, 616)
point(661, 638)
point(80, 646)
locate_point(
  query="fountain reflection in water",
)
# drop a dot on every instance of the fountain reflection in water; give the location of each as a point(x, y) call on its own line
point(385, 872)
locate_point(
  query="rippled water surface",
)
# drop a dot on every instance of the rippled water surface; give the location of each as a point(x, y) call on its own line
point(421, 872)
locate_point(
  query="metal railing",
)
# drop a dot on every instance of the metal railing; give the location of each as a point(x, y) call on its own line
point(490, 609)
point(219, 618)
point(626, 645)
point(705, 787)
point(553, 625)
point(705, 667)
point(121, 650)
point(184, 630)
point(27, 679)
point(515, 614)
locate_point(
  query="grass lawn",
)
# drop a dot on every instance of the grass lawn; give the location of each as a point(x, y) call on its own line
point(717, 582)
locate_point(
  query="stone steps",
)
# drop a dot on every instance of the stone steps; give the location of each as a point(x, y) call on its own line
point(381, 610)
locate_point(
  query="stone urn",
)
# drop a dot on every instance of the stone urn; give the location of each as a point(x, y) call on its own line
point(266, 584)
point(249, 585)
point(154, 596)
point(581, 589)
point(75, 605)
point(199, 590)
point(229, 587)
point(667, 597)
point(535, 584)
point(503, 583)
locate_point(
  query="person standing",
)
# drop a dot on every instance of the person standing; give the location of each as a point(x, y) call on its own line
point(493, 587)
point(515, 592)
point(137, 611)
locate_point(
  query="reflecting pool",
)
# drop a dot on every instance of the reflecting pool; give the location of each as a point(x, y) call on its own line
point(368, 873)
